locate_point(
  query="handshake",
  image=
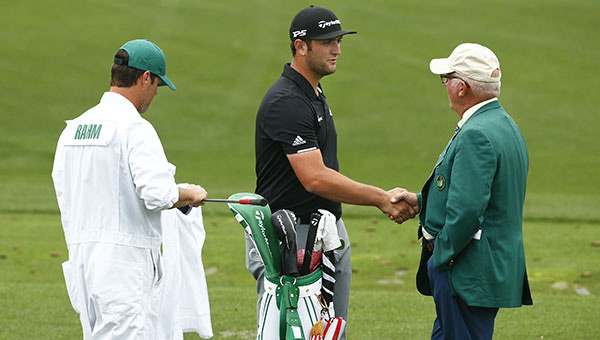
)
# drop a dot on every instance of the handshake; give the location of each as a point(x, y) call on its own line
point(401, 205)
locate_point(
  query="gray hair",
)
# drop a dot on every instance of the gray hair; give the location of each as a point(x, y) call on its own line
point(482, 89)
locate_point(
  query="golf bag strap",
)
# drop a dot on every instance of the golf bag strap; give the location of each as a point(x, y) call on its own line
point(290, 327)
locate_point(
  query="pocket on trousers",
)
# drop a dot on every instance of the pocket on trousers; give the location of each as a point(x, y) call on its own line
point(71, 284)
point(158, 268)
point(341, 251)
point(119, 286)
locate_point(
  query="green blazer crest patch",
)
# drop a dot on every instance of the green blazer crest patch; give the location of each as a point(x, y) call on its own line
point(440, 182)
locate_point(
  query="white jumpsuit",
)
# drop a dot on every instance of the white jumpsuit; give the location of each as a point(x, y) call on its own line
point(112, 179)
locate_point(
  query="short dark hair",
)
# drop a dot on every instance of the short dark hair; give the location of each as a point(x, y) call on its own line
point(123, 75)
point(306, 40)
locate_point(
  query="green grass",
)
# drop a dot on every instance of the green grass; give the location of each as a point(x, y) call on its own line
point(384, 301)
point(392, 119)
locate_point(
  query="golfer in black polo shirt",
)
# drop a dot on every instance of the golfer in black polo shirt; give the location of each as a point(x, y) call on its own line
point(296, 145)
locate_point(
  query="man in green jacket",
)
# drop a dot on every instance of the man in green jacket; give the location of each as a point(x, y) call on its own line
point(471, 207)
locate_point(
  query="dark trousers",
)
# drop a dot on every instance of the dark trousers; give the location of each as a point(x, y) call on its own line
point(455, 320)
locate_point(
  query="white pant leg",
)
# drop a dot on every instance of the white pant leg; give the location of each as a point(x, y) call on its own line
point(116, 290)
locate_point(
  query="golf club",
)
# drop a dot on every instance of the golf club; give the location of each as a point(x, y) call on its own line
point(284, 225)
point(310, 243)
point(250, 201)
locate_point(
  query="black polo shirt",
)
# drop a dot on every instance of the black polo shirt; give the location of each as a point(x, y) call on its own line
point(293, 119)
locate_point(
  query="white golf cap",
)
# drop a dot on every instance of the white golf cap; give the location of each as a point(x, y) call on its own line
point(469, 60)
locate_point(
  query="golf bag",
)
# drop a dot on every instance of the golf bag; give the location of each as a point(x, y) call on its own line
point(291, 305)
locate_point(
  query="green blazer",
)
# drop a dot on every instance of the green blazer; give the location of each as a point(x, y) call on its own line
point(473, 204)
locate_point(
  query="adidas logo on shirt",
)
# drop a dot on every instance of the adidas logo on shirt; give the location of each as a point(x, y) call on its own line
point(298, 141)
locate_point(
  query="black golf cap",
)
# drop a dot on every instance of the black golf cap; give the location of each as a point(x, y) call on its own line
point(317, 23)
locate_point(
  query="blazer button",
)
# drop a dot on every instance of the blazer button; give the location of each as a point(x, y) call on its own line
point(451, 263)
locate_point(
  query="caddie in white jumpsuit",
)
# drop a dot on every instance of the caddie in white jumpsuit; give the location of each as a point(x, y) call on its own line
point(112, 179)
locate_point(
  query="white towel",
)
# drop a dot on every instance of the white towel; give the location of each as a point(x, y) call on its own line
point(184, 300)
point(327, 236)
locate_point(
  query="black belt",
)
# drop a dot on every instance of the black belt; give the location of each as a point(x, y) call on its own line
point(305, 219)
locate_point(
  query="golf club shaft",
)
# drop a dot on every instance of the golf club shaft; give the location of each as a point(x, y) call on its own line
point(250, 201)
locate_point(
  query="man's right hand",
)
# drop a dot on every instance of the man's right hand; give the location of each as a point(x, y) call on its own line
point(407, 200)
point(191, 195)
point(399, 206)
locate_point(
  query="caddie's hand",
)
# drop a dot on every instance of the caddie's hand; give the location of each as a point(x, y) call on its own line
point(191, 195)
point(197, 195)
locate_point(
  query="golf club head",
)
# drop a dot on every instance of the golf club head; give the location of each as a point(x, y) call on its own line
point(328, 281)
point(278, 229)
point(284, 225)
point(335, 328)
point(310, 242)
point(257, 219)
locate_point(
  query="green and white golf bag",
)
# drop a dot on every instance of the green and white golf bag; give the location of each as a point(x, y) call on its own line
point(290, 305)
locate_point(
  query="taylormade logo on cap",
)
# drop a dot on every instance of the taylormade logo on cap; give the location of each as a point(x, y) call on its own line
point(471, 60)
point(317, 23)
point(324, 24)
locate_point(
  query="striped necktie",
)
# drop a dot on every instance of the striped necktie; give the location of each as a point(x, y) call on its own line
point(449, 142)
point(456, 131)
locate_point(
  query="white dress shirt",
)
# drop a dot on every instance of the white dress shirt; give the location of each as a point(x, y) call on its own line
point(111, 177)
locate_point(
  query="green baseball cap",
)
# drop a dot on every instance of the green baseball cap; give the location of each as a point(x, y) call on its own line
point(146, 56)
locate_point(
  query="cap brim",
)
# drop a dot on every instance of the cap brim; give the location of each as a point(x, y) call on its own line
point(165, 81)
point(332, 35)
point(440, 66)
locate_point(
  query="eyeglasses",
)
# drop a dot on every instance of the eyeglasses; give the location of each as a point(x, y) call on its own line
point(446, 78)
